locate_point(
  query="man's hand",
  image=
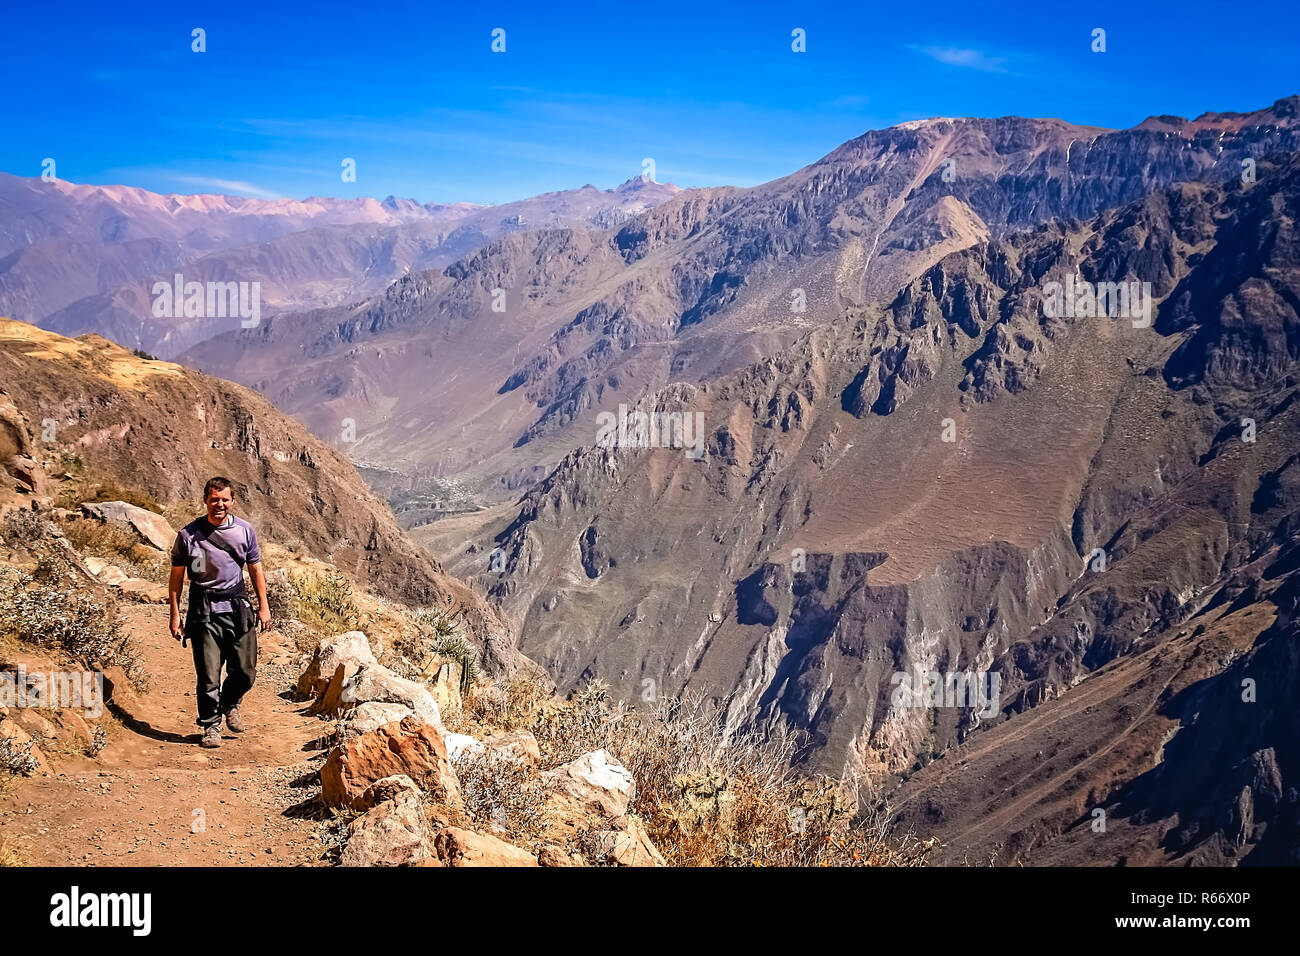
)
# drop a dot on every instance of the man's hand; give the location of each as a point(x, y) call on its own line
point(259, 588)
point(175, 582)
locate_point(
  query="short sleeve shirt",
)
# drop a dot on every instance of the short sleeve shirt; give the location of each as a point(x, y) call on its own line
point(206, 551)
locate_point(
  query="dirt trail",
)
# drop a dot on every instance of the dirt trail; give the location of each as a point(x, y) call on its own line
point(154, 797)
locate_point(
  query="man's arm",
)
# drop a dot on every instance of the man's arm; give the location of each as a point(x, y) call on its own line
point(175, 584)
point(259, 587)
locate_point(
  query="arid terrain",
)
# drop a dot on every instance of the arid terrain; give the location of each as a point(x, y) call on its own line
point(924, 446)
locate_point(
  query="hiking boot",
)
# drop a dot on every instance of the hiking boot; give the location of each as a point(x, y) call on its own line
point(235, 720)
point(211, 736)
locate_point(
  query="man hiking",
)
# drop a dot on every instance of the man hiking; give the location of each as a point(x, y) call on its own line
point(220, 622)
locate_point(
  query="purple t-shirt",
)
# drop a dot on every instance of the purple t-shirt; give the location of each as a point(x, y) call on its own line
point(212, 569)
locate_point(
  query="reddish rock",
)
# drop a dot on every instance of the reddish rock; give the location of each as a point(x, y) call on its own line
point(409, 747)
point(558, 856)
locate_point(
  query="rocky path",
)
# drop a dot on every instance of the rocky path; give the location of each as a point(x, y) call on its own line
point(154, 797)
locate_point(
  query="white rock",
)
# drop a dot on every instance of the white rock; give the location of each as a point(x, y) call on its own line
point(460, 744)
point(595, 782)
point(152, 528)
point(373, 715)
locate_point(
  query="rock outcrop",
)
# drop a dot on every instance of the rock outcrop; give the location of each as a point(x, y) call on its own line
point(410, 748)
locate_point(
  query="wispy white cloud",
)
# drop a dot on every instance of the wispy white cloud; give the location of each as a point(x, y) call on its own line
point(957, 56)
point(235, 186)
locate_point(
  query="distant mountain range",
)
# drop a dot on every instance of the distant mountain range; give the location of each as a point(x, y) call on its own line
point(77, 258)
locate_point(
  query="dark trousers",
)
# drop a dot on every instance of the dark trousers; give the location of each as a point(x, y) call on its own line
point(216, 643)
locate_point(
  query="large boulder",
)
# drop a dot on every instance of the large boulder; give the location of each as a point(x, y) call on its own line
point(374, 682)
point(151, 528)
point(595, 785)
point(457, 847)
point(410, 747)
point(351, 650)
point(392, 833)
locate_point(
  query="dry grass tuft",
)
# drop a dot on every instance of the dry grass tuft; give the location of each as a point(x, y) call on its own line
point(79, 487)
point(323, 601)
point(9, 855)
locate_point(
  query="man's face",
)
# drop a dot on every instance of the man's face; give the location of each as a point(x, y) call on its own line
point(218, 504)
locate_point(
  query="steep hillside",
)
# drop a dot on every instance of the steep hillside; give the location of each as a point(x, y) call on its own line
point(69, 406)
point(955, 482)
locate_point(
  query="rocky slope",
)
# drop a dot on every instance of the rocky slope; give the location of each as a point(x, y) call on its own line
point(492, 369)
point(959, 482)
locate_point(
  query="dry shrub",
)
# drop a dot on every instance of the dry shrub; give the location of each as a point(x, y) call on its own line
point(28, 530)
point(17, 759)
point(281, 596)
point(501, 705)
point(504, 797)
point(102, 538)
point(53, 609)
point(707, 797)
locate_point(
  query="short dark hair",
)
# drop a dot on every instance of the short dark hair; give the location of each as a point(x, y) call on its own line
point(216, 484)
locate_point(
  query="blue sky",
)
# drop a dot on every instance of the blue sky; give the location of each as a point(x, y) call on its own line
point(712, 92)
